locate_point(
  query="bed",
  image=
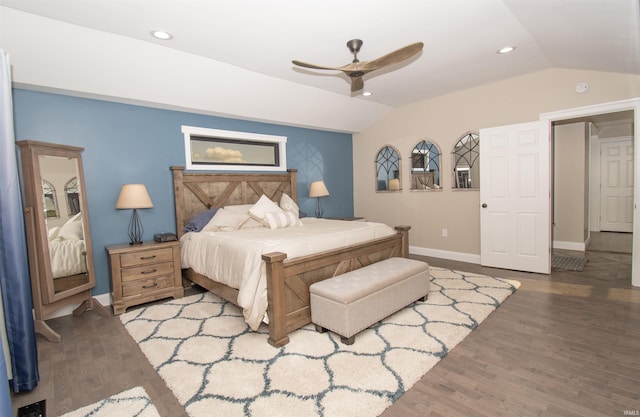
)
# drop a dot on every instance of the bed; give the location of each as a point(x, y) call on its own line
point(67, 248)
point(287, 279)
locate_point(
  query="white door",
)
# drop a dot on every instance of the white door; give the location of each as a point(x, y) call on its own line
point(515, 197)
point(616, 194)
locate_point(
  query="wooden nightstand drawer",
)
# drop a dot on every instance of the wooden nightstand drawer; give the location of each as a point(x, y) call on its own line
point(142, 273)
point(147, 271)
point(139, 287)
point(145, 257)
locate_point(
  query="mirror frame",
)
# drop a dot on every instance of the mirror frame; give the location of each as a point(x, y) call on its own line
point(38, 246)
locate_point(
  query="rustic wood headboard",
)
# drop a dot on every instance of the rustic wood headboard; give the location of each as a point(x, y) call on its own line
point(195, 192)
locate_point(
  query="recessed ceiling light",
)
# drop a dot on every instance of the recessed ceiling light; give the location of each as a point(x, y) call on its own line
point(366, 93)
point(161, 34)
point(506, 49)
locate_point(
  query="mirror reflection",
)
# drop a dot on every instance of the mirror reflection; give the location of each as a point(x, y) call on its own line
point(65, 232)
point(388, 170)
point(466, 162)
point(425, 166)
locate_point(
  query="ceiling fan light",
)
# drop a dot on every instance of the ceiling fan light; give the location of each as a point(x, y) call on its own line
point(161, 34)
point(366, 93)
point(506, 50)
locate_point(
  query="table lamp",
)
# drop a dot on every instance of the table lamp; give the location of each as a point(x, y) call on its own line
point(134, 196)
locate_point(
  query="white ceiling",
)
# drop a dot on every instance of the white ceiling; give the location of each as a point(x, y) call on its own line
point(461, 38)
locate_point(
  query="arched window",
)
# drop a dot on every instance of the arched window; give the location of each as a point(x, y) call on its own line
point(50, 201)
point(73, 196)
point(466, 162)
point(388, 169)
point(425, 166)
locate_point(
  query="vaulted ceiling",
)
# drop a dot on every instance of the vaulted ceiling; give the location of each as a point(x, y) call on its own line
point(245, 47)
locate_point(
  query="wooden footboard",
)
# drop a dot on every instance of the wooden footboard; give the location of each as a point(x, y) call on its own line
point(288, 280)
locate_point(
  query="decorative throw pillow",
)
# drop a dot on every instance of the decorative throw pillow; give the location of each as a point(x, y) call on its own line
point(72, 229)
point(262, 206)
point(281, 219)
point(244, 209)
point(225, 221)
point(198, 222)
point(287, 204)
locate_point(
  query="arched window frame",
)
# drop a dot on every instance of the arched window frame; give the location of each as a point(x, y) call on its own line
point(466, 162)
point(50, 200)
point(425, 172)
point(388, 169)
point(72, 193)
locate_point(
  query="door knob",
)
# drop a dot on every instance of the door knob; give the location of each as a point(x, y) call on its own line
point(484, 205)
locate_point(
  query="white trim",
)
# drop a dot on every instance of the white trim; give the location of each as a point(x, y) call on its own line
point(104, 299)
point(230, 134)
point(577, 246)
point(616, 106)
point(592, 110)
point(445, 254)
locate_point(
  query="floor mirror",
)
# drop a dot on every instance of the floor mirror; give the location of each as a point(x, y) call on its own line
point(58, 234)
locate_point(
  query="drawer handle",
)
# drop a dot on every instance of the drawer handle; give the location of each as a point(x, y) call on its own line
point(155, 284)
point(148, 272)
point(144, 258)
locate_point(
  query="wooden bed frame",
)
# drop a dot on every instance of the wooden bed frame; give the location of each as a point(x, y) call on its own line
point(288, 280)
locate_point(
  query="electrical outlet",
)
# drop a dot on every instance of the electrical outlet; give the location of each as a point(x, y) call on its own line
point(445, 233)
point(38, 409)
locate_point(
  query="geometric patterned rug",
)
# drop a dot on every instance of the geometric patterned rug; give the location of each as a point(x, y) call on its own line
point(568, 262)
point(211, 360)
point(130, 403)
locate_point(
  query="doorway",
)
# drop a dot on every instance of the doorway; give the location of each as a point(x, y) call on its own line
point(603, 110)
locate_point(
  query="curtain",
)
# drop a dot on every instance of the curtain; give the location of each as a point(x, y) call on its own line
point(14, 270)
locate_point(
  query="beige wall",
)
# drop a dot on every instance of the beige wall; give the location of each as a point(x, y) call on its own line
point(570, 183)
point(443, 120)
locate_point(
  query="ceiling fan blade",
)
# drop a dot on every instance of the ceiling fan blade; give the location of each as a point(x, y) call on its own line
point(394, 57)
point(357, 84)
point(313, 66)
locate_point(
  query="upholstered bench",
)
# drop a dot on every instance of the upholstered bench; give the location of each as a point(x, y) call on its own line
point(349, 303)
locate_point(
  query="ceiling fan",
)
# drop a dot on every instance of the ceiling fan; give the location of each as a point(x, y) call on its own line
point(356, 69)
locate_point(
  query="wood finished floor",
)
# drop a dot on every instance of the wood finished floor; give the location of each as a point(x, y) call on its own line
point(566, 344)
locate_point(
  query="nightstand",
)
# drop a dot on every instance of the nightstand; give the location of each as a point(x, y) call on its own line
point(142, 273)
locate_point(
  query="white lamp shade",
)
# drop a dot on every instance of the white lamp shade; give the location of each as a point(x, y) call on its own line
point(318, 189)
point(134, 196)
point(394, 184)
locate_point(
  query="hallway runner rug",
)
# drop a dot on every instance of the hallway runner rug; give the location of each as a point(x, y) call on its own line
point(131, 403)
point(215, 365)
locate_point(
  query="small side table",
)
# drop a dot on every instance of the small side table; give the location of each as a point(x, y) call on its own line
point(143, 273)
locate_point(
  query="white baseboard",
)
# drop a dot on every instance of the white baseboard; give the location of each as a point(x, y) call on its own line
point(104, 299)
point(579, 246)
point(445, 254)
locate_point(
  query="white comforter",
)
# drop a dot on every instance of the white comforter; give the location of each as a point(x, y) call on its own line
point(67, 257)
point(234, 258)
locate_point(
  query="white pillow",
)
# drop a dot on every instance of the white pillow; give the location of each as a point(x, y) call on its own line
point(225, 221)
point(281, 219)
point(287, 204)
point(262, 206)
point(71, 230)
point(239, 208)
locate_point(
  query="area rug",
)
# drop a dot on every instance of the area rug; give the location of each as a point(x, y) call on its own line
point(131, 403)
point(568, 262)
point(215, 364)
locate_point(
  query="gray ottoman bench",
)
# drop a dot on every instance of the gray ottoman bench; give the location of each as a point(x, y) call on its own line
point(349, 303)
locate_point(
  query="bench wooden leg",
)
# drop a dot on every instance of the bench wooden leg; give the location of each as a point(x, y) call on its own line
point(423, 299)
point(348, 340)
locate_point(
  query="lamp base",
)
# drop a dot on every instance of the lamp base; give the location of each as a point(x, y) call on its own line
point(135, 229)
point(318, 208)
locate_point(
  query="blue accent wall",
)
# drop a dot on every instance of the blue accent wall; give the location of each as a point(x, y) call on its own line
point(134, 144)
